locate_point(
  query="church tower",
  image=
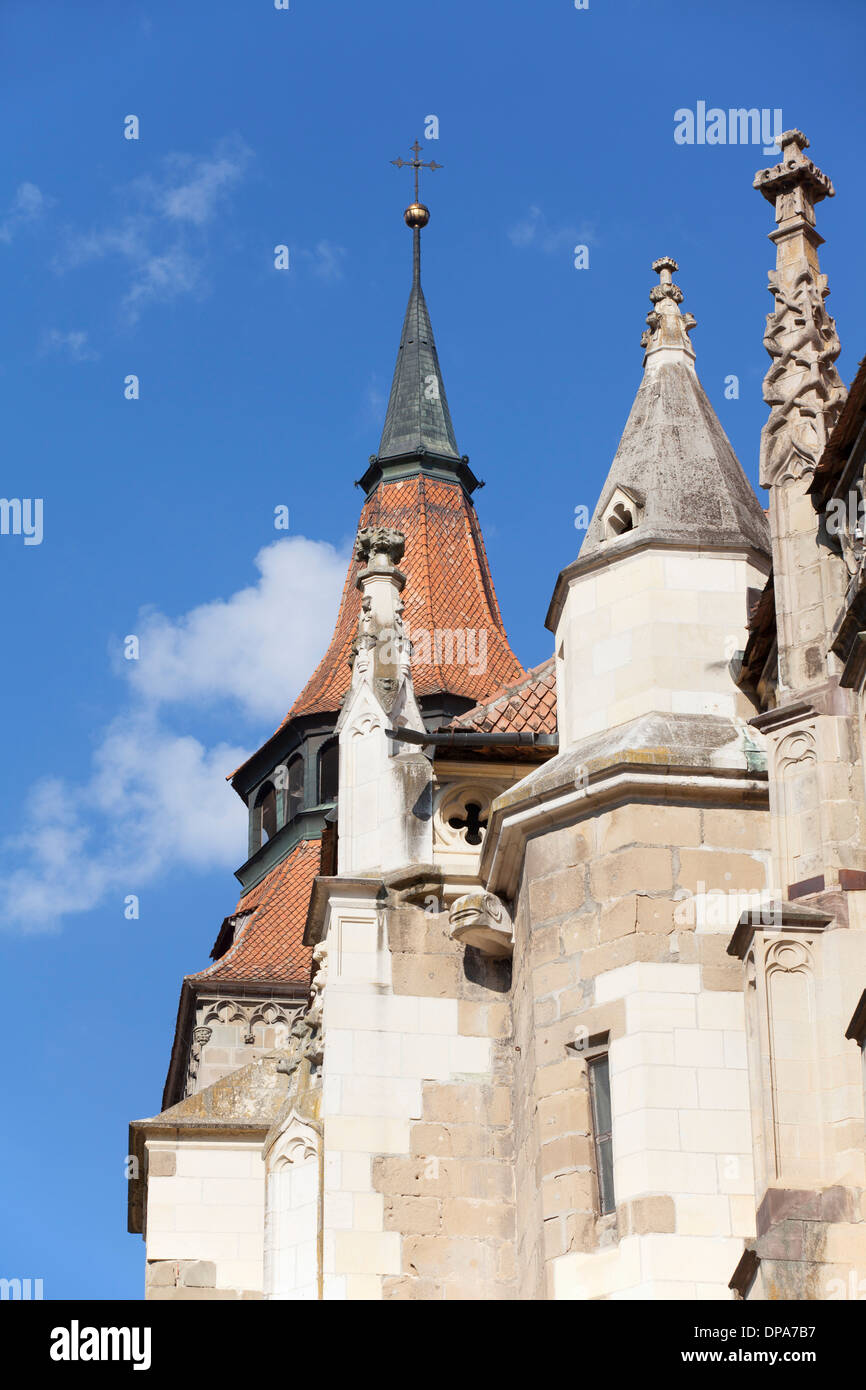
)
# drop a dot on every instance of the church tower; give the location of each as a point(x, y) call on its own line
point(238, 1013)
point(551, 984)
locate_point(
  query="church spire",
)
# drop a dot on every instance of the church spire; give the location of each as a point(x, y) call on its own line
point(418, 435)
point(675, 480)
point(418, 419)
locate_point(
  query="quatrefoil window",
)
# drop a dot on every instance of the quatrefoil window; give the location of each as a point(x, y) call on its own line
point(473, 823)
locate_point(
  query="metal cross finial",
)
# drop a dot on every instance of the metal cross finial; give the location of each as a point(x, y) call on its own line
point(416, 164)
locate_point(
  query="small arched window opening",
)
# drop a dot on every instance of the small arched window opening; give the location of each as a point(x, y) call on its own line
point(265, 814)
point(329, 772)
point(620, 520)
point(295, 788)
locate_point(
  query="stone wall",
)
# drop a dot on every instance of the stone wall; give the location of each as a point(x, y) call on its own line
point(629, 914)
point(452, 1200)
point(652, 632)
point(205, 1219)
point(419, 1197)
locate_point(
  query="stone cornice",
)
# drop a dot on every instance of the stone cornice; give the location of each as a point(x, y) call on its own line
point(826, 699)
point(513, 820)
point(775, 917)
point(329, 889)
point(630, 543)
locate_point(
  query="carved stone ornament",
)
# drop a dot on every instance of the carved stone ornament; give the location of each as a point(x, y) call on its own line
point(379, 541)
point(297, 1142)
point(304, 1044)
point(666, 326)
point(802, 387)
point(317, 985)
point(461, 814)
point(481, 920)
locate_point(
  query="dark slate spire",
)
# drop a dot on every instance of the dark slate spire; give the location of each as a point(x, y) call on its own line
point(418, 436)
point(418, 418)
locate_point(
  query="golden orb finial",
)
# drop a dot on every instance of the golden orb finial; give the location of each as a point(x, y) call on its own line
point(416, 214)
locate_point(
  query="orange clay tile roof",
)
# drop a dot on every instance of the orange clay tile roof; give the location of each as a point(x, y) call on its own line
point(270, 941)
point(527, 707)
point(449, 588)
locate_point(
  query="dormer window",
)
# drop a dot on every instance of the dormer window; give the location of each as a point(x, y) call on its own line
point(622, 513)
point(621, 519)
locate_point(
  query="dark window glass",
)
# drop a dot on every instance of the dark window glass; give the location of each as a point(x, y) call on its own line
point(265, 813)
point(599, 1090)
point(296, 788)
point(329, 772)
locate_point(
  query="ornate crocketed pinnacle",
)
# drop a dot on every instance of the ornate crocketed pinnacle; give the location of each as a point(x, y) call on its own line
point(381, 651)
point(666, 326)
point(793, 171)
point(379, 541)
point(802, 387)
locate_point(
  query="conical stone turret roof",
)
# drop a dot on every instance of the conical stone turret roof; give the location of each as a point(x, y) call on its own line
point(674, 456)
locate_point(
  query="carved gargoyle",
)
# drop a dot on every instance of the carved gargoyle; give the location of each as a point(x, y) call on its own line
point(481, 920)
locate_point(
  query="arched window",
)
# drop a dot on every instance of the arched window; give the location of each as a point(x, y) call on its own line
point(296, 788)
point(329, 772)
point(620, 520)
point(265, 814)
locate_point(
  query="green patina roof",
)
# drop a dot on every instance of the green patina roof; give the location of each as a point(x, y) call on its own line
point(418, 418)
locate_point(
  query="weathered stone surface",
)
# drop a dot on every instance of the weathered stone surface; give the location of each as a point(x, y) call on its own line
point(161, 1164)
point(198, 1274)
point(557, 894)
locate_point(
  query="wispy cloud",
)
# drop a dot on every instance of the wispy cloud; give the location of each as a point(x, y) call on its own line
point(28, 205)
point(158, 235)
point(74, 345)
point(156, 799)
point(325, 260)
point(535, 231)
point(190, 190)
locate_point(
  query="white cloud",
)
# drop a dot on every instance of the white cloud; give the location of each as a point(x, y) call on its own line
point(156, 799)
point(160, 237)
point(535, 231)
point(126, 239)
point(28, 205)
point(155, 802)
point(73, 344)
point(161, 278)
point(192, 189)
point(253, 647)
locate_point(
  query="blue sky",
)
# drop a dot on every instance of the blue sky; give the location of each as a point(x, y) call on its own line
point(261, 388)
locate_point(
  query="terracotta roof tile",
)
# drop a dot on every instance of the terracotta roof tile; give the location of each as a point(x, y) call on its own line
point(449, 589)
point(526, 707)
point(270, 941)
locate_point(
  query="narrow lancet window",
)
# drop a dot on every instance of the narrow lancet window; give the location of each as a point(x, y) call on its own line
point(599, 1090)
